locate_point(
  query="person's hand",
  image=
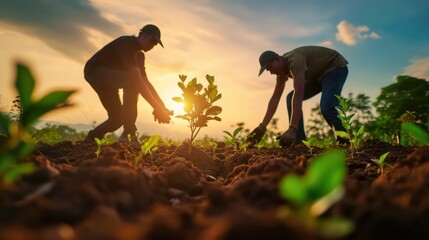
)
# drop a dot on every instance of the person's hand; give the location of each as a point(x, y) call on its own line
point(162, 115)
point(256, 135)
point(288, 138)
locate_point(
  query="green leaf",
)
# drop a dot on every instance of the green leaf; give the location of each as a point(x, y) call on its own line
point(342, 134)
point(178, 99)
point(5, 122)
point(238, 130)
point(182, 78)
point(360, 131)
point(25, 85)
point(416, 132)
point(214, 110)
point(210, 79)
point(17, 171)
point(229, 134)
point(382, 158)
point(326, 173)
point(294, 188)
point(48, 103)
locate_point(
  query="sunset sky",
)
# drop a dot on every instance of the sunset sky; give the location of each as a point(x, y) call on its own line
point(381, 39)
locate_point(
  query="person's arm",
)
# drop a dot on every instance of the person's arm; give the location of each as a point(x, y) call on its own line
point(297, 98)
point(152, 89)
point(144, 88)
point(275, 99)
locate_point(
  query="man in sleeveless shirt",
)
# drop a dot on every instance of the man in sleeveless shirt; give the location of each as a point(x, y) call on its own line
point(314, 69)
point(120, 64)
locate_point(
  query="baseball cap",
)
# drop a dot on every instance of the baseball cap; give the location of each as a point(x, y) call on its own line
point(265, 59)
point(154, 31)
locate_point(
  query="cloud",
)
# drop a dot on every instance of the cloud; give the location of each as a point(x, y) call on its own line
point(350, 35)
point(419, 68)
point(326, 44)
point(64, 25)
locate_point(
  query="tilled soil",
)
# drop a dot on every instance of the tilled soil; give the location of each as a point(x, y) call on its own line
point(209, 194)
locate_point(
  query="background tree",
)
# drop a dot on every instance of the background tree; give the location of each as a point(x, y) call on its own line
point(408, 94)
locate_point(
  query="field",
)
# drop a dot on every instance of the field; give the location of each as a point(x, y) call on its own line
point(212, 193)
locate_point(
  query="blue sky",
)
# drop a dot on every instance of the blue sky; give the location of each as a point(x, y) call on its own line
point(380, 39)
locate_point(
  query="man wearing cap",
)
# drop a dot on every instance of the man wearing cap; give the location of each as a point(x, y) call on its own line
point(314, 69)
point(120, 64)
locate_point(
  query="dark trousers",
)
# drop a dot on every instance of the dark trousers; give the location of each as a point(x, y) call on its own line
point(106, 83)
point(331, 85)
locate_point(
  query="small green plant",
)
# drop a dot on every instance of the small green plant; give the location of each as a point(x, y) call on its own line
point(232, 138)
point(412, 133)
point(309, 145)
point(314, 193)
point(148, 147)
point(15, 140)
point(198, 106)
point(100, 143)
point(353, 136)
point(380, 162)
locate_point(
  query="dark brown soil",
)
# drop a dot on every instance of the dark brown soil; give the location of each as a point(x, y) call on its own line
point(208, 194)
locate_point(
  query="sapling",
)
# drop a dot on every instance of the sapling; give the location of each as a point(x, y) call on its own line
point(315, 192)
point(380, 162)
point(232, 138)
point(100, 142)
point(15, 140)
point(198, 105)
point(353, 136)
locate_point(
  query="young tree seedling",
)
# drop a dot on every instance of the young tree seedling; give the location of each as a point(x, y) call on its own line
point(353, 136)
point(315, 192)
point(232, 138)
point(100, 143)
point(15, 140)
point(199, 106)
point(380, 162)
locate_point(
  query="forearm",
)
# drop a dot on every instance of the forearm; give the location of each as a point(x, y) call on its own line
point(144, 88)
point(152, 90)
point(271, 110)
point(274, 101)
point(296, 109)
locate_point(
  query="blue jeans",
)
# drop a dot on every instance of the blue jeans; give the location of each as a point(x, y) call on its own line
point(331, 85)
point(107, 82)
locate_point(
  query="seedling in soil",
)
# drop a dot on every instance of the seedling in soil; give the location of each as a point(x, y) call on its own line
point(316, 192)
point(380, 162)
point(353, 136)
point(198, 106)
point(414, 132)
point(148, 147)
point(309, 145)
point(232, 138)
point(15, 140)
point(100, 143)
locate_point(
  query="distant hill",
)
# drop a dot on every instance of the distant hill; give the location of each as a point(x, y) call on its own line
point(80, 127)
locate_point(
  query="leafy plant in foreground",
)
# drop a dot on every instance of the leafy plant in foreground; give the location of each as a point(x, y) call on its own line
point(413, 131)
point(314, 193)
point(15, 140)
point(353, 136)
point(198, 105)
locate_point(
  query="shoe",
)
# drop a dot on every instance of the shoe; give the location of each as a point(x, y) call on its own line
point(134, 141)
